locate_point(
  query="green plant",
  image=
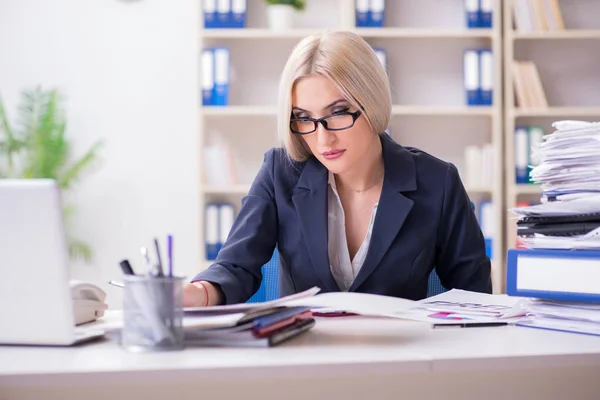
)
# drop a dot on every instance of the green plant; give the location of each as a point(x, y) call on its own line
point(297, 4)
point(36, 147)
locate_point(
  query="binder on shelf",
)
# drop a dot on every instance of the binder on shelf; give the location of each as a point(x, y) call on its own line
point(209, 9)
point(471, 76)
point(221, 88)
point(224, 13)
point(207, 82)
point(564, 275)
point(521, 154)
point(377, 13)
point(485, 14)
point(486, 77)
point(226, 218)
point(535, 134)
point(362, 13)
point(211, 230)
point(472, 13)
point(238, 13)
point(219, 218)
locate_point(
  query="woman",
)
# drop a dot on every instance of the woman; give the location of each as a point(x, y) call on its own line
point(347, 207)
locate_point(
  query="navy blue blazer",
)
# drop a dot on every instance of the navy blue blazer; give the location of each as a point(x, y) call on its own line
point(424, 220)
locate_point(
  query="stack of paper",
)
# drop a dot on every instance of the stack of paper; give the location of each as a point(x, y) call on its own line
point(563, 316)
point(569, 173)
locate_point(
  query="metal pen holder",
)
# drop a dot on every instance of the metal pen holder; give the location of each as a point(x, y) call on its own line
point(152, 313)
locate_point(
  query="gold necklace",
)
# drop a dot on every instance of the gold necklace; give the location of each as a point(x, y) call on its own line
point(367, 188)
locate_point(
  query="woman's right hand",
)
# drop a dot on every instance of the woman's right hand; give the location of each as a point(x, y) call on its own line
point(196, 294)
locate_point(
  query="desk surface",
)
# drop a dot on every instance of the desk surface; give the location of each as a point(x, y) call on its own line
point(333, 346)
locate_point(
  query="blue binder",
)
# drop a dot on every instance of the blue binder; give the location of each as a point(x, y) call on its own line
point(362, 13)
point(471, 76)
point(486, 77)
point(211, 230)
point(221, 88)
point(472, 13)
point(485, 14)
point(238, 14)
point(207, 76)
point(521, 154)
point(209, 8)
point(569, 268)
point(376, 13)
point(224, 13)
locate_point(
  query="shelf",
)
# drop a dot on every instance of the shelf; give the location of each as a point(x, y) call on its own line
point(238, 111)
point(443, 110)
point(423, 33)
point(232, 189)
point(558, 112)
point(553, 35)
point(260, 33)
point(244, 111)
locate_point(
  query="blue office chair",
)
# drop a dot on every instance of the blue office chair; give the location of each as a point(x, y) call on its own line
point(269, 287)
point(434, 285)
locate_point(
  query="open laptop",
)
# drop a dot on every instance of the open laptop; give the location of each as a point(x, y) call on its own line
point(36, 307)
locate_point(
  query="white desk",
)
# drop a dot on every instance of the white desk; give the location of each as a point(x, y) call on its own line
point(341, 358)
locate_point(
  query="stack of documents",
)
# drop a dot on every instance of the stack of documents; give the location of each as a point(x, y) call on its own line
point(563, 316)
point(569, 173)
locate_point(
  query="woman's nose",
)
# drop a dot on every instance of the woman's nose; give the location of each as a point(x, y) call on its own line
point(324, 137)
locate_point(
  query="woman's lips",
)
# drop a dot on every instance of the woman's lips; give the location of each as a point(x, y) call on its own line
point(333, 154)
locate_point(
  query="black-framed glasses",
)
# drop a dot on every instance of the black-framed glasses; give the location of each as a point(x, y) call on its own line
point(335, 122)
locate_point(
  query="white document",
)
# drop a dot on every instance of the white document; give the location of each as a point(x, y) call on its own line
point(245, 307)
point(358, 303)
point(462, 306)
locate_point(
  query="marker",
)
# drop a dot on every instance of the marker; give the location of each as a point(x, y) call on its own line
point(170, 253)
point(126, 267)
point(473, 325)
point(159, 260)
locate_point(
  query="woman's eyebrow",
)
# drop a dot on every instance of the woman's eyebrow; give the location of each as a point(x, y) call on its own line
point(324, 108)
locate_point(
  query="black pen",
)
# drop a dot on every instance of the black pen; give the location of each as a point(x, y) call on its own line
point(126, 267)
point(159, 260)
point(472, 325)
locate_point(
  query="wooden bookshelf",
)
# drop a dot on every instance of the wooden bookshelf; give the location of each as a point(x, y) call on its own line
point(425, 64)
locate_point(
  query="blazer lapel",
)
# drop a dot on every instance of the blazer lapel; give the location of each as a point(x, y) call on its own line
point(310, 200)
point(393, 208)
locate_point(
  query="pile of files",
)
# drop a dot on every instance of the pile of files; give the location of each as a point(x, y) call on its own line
point(559, 269)
point(569, 174)
point(575, 317)
point(264, 324)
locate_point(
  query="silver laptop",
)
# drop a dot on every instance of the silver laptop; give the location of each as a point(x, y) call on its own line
point(35, 298)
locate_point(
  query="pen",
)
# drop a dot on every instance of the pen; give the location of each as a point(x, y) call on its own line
point(472, 325)
point(170, 253)
point(126, 267)
point(116, 283)
point(159, 260)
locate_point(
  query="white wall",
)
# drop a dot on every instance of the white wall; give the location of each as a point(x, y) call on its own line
point(128, 70)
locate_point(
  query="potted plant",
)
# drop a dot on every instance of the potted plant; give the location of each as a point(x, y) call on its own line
point(281, 13)
point(37, 147)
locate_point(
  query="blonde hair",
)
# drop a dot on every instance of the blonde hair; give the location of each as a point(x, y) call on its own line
point(354, 69)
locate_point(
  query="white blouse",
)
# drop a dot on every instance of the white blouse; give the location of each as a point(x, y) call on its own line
point(343, 269)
